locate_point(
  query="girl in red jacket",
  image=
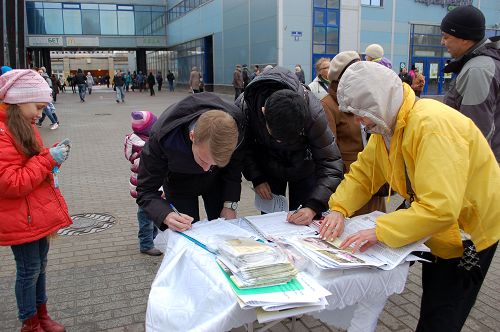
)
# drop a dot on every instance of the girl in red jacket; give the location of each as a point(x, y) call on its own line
point(31, 205)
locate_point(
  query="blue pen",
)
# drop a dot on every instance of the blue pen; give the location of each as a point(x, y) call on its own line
point(175, 210)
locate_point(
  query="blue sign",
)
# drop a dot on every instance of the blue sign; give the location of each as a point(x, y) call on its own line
point(296, 35)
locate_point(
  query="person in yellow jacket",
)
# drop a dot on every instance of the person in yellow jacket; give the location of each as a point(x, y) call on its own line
point(453, 181)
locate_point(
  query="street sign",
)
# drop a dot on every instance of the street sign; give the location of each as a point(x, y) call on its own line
point(296, 35)
point(402, 65)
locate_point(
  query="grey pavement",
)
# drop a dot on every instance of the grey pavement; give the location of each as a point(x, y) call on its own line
point(100, 281)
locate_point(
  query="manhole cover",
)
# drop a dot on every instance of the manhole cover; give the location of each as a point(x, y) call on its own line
point(102, 114)
point(88, 223)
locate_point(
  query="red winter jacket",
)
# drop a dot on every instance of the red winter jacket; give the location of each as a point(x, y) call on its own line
point(30, 206)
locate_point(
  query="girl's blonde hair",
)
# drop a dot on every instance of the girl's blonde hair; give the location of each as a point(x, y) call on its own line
point(24, 135)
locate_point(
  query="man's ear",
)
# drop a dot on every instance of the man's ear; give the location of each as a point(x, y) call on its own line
point(191, 135)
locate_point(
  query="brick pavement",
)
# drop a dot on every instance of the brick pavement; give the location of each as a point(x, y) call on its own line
point(100, 282)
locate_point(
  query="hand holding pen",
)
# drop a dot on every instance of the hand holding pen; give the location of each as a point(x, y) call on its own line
point(301, 216)
point(177, 221)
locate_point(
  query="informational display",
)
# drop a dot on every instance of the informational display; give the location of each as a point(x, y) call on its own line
point(433, 70)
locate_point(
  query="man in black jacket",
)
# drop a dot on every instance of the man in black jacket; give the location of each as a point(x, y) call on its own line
point(289, 143)
point(192, 151)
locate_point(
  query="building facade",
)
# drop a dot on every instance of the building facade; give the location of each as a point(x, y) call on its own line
point(215, 35)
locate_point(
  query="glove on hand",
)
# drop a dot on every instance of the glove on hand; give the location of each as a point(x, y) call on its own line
point(59, 153)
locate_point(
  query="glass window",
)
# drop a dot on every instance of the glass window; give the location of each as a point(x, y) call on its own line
point(333, 4)
point(332, 35)
point(157, 9)
point(107, 7)
point(34, 18)
point(108, 22)
point(52, 5)
point(71, 6)
point(319, 35)
point(142, 23)
point(320, 3)
point(53, 21)
point(332, 49)
point(142, 8)
point(332, 17)
point(427, 40)
point(30, 5)
point(319, 17)
point(374, 3)
point(427, 29)
point(158, 23)
point(90, 22)
point(122, 7)
point(89, 6)
point(317, 48)
point(72, 22)
point(427, 51)
point(126, 23)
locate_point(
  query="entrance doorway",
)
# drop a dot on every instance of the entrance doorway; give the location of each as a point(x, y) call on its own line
point(436, 82)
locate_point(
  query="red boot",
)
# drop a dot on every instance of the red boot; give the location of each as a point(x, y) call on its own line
point(46, 322)
point(31, 325)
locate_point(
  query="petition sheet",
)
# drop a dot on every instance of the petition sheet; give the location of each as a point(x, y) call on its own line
point(277, 204)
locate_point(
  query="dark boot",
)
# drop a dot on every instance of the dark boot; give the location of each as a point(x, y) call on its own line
point(31, 325)
point(46, 322)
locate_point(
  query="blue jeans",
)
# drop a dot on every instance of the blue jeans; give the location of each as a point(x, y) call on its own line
point(82, 89)
point(48, 113)
point(120, 93)
point(147, 230)
point(171, 86)
point(31, 261)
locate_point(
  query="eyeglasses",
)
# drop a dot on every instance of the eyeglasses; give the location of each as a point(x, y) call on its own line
point(325, 68)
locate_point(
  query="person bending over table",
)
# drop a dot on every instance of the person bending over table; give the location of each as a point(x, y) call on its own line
point(288, 142)
point(193, 151)
point(438, 160)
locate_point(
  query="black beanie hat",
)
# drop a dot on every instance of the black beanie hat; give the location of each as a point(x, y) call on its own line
point(465, 22)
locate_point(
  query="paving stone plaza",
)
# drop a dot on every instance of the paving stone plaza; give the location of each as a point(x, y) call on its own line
point(99, 281)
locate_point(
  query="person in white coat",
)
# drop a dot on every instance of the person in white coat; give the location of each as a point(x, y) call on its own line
point(319, 86)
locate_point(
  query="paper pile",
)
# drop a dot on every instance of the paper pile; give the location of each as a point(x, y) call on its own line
point(254, 264)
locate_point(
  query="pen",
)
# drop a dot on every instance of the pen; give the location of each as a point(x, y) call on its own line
point(300, 207)
point(175, 210)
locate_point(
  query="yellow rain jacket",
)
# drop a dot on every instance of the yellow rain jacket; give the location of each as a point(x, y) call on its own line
point(452, 170)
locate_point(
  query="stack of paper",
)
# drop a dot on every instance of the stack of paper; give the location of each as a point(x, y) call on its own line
point(326, 254)
point(254, 264)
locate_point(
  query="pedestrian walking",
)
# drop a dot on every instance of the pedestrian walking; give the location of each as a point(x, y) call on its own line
point(300, 74)
point(194, 80)
point(50, 112)
point(128, 81)
point(319, 86)
point(90, 82)
point(32, 206)
point(159, 80)
point(238, 83)
point(151, 84)
point(170, 79)
point(81, 81)
point(119, 83)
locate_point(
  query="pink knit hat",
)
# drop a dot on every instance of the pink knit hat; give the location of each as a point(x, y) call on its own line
point(142, 122)
point(21, 86)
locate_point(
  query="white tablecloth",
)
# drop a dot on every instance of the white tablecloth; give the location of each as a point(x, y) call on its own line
point(190, 293)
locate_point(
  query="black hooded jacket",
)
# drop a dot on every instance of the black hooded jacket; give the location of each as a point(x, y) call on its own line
point(315, 153)
point(167, 159)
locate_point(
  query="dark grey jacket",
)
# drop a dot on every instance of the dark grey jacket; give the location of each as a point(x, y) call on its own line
point(475, 92)
point(314, 154)
point(167, 159)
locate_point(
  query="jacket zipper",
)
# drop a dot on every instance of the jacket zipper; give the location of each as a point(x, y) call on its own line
point(29, 211)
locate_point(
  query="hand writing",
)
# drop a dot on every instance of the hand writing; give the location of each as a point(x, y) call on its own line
point(178, 222)
point(302, 216)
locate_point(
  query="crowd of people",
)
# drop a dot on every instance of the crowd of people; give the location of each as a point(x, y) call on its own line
point(339, 145)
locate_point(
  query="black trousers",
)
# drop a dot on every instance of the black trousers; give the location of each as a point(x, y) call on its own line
point(448, 293)
point(151, 90)
point(298, 191)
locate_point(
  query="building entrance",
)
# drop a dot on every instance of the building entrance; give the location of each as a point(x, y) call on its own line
point(436, 82)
